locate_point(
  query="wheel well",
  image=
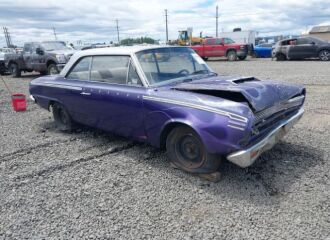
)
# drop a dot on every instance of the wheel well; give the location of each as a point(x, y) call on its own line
point(50, 62)
point(50, 104)
point(230, 50)
point(12, 62)
point(323, 50)
point(166, 131)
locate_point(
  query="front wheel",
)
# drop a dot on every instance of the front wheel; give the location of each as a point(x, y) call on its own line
point(52, 69)
point(324, 55)
point(63, 120)
point(232, 56)
point(186, 151)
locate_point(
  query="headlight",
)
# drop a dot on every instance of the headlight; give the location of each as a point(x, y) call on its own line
point(61, 58)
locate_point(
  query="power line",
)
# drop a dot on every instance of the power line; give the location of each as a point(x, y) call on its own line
point(166, 26)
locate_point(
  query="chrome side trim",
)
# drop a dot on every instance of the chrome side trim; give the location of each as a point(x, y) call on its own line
point(243, 157)
point(191, 105)
point(54, 85)
point(235, 127)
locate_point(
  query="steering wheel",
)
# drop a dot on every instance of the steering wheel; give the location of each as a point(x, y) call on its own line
point(183, 72)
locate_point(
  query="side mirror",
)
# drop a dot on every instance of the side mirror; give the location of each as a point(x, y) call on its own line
point(39, 51)
point(313, 43)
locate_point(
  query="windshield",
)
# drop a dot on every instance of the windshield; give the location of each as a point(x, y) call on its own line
point(50, 46)
point(166, 65)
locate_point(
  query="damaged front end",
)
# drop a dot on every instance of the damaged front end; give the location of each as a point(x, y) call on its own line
point(275, 107)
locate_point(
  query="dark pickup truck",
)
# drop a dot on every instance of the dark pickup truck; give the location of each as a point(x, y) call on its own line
point(221, 47)
point(44, 57)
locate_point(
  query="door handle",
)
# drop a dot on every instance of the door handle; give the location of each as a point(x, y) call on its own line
point(85, 93)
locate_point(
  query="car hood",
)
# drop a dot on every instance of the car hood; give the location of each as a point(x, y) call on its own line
point(64, 52)
point(259, 95)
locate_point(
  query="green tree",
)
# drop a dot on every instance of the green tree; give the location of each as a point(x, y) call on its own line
point(140, 40)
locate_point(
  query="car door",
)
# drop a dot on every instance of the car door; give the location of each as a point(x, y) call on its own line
point(27, 55)
point(304, 48)
point(209, 47)
point(115, 96)
point(219, 49)
point(38, 63)
point(72, 91)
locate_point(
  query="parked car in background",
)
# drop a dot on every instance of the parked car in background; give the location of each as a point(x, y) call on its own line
point(168, 97)
point(3, 52)
point(44, 57)
point(301, 48)
point(221, 47)
point(263, 50)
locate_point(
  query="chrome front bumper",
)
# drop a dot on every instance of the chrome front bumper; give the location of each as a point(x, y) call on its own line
point(246, 157)
point(32, 98)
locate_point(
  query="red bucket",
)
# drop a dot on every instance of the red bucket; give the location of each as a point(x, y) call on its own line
point(19, 102)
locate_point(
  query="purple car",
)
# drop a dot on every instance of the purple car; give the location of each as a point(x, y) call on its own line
point(169, 98)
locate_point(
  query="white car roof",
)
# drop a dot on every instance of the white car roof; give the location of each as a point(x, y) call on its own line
point(129, 50)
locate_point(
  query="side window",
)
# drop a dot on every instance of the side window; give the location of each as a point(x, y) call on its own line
point(301, 41)
point(80, 70)
point(210, 41)
point(133, 77)
point(228, 41)
point(110, 69)
point(218, 41)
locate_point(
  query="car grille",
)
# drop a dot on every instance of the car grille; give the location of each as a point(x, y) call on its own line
point(291, 103)
point(267, 119)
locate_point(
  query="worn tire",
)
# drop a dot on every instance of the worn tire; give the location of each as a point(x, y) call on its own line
point(324, 55)
point(280, 57)
point(242, 58)
point(14, 70)
point(232, 56)
point(186, 151)
point(62, 118)
point(52, 69)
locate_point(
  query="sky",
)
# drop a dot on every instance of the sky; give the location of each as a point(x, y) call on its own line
point(95, 21)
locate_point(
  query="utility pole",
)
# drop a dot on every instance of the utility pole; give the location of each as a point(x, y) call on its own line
point(166, 26)
point(55, 33)
point(117, 30)
point(216, 21)
point(7, 36)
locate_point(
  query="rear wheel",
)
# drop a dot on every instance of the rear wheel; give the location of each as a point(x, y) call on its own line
point(14, 70)
point(187, 152)
point(52, 69)
point(324, 55)
point(63, 120)
point(280, 57)
point(231, 56)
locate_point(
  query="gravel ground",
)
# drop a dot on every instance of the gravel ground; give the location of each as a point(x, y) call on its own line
point(91, 184)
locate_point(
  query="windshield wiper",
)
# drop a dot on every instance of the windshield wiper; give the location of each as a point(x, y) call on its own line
point(204, 72)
